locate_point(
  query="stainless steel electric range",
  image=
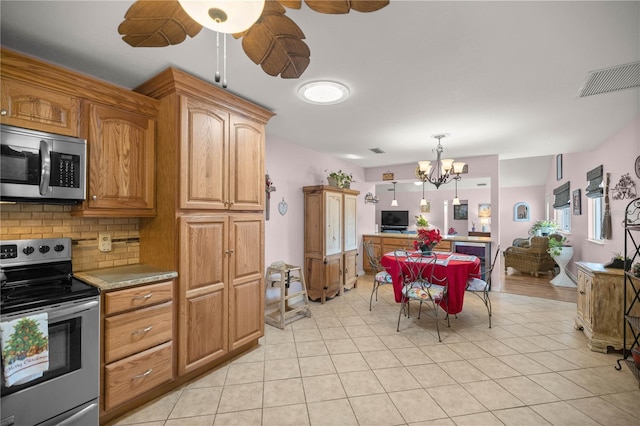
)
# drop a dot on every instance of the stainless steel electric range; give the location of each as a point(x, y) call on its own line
point(37, 279)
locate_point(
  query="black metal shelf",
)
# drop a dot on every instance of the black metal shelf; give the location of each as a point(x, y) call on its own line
point(631, 251)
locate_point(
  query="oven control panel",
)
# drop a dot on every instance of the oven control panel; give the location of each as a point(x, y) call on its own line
point(43, 250)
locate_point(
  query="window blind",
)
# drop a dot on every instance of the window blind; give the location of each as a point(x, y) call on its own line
point(562, 196)
point(594, 188)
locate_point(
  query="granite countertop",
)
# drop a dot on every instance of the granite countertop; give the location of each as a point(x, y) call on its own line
point(124, 276)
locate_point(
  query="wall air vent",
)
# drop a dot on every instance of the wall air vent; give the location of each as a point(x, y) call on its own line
point(611, 79)
point(376, 150)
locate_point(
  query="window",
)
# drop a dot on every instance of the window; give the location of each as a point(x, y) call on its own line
point(594, 216)
point(563, 219)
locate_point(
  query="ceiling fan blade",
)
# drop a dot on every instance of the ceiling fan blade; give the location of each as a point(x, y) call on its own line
point(157, 24)
point(291, 4)
point(275, 43)
point(345, 6)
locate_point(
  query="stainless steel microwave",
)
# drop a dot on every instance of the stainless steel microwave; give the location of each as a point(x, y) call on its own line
point(41, 167)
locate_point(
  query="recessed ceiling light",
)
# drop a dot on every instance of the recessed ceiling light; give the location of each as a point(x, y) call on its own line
point(323, 92)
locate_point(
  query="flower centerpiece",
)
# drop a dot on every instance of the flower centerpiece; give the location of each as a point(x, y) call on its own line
point(427, 239)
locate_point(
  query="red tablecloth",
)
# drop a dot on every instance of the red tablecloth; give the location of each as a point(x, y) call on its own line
point(456, 271)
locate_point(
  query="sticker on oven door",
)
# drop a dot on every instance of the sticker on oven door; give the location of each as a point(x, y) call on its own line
point(25, 348)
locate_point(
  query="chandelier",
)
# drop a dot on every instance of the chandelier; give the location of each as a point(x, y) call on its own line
point(442, 171)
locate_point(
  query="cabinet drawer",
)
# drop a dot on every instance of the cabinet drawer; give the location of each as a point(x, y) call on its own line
point(443, 246)
point(132, 376)
point(137, 297)
point(135, 331)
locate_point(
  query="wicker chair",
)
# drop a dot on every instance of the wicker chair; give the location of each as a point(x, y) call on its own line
point(533, 259)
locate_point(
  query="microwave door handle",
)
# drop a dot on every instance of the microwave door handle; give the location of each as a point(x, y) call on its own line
point(45, 163)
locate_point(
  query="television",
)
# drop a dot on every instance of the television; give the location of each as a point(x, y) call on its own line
point(395, 219)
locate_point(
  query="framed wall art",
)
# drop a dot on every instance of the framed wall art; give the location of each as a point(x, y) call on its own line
point(484, 210)
point(576, 200)
point(461, 212)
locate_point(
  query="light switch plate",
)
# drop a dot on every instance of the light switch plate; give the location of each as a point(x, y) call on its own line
point(104, 241)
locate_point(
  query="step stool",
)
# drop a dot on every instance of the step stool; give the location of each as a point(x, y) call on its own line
point(282, 275)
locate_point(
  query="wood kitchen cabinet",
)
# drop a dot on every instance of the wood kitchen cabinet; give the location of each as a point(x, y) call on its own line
point(330, 240)
point(386, 243)
point(209, 224)
point(222, 158)
point(600, 305)
point(121, 163)
point(38, 108)
point(137, 330)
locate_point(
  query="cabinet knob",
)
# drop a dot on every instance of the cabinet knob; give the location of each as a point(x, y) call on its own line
point(3, 112)
point(94, 198)
point(581, 291)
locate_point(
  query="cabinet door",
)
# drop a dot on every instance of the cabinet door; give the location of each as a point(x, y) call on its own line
point(121, 147)
point(350, 269)
point(203, 274)
point(246, 165)
point(246, 291)
point(204, 156)
point(582, 277)
point(37, 108)
point(350, 236)
point(332, 223)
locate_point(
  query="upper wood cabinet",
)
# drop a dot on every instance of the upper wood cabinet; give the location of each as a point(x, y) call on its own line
point(121, 162)
point(38, 108)
point(118, 124)
point(218, 138)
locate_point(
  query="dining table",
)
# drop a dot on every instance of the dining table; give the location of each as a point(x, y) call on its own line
point(457, 268)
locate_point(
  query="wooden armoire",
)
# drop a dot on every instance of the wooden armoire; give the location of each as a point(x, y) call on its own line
point(330, 240)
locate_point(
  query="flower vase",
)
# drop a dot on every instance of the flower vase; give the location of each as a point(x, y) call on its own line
point(427, 248)
point(332, 181)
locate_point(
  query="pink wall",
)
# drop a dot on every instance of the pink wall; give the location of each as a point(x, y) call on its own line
point(534, 197)
point(291, 167)
point(617, 154)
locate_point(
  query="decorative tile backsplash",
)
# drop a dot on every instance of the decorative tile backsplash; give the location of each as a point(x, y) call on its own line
point(22, 221)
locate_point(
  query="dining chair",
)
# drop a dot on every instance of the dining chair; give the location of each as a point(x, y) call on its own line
point(480, 287)
point(420, 283)
point(381, 276)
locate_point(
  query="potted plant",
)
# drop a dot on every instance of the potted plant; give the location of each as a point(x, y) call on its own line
point(422, 222)
point(427, 239)
point(556, 246)
point(340, 179)
point(543, 227)
point(618, 261)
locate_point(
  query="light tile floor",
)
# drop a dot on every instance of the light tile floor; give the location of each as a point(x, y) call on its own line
point(349, 366)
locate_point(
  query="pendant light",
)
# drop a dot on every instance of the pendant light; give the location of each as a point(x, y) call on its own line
point(423, 202)
point(394, 203)
point(456, 200)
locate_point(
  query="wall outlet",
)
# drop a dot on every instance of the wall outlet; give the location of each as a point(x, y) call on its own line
point(104, 241)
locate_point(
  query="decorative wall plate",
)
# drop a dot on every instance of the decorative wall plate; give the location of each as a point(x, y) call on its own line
point(638, 166)
point(282, 207)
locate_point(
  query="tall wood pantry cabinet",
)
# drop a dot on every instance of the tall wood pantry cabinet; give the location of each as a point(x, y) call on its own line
point(330, 240)
point(210, 222)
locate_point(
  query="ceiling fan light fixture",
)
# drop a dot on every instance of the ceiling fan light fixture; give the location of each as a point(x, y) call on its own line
point(224, 16)
point(323, 92)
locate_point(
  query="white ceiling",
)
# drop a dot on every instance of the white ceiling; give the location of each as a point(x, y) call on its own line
point(500, 77)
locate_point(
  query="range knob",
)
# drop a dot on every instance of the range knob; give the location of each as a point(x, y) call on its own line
point(58, 247)
point(28, 250)
point(44, 249)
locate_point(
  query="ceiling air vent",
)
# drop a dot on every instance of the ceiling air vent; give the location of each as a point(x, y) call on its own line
point(376, 150)
point(611, 79)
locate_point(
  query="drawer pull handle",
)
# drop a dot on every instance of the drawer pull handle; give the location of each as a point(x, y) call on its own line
point(145, 297)
point(143, 375)
point(144, 330)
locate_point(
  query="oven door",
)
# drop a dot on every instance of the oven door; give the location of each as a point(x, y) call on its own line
point(72, 379)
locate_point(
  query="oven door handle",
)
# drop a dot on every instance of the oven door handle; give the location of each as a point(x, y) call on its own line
point(45, 163)
point(72, 310)
point(79, 415)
